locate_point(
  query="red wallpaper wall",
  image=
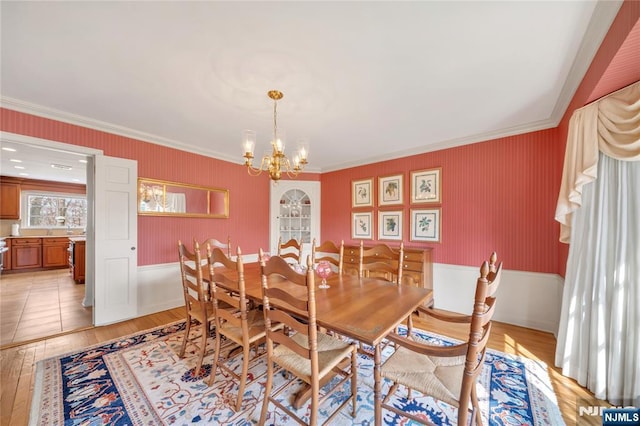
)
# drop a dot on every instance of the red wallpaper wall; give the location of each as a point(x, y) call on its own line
point(248, 224)
point(497, 195)
point(616, 65)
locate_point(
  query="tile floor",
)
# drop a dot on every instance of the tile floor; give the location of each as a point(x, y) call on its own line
point(39, 304)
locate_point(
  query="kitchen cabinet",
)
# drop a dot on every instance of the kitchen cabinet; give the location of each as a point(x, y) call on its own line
point(26, 253)
point(77, 259)
point(54, 252)
point(10, 196)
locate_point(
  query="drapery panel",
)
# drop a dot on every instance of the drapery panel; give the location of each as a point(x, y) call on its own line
point(599, 212)
point(599, 334)
point(610, 125)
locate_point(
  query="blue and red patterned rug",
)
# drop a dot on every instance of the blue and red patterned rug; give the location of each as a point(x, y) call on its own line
point(139, 380)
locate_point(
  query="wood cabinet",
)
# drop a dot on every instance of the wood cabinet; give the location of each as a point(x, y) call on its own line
point(417, 265)
point(26, 253)
point(55, 252)
point(9, 200)
point(77, 259)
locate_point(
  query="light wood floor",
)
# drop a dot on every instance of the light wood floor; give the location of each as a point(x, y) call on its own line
point(18, 363)
point(39, 304)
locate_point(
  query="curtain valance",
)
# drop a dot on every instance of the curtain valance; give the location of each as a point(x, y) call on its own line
point(610, 125)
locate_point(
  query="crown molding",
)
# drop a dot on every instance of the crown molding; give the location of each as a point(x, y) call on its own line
point(451, 143)
point(603, 15)
point(79, 120)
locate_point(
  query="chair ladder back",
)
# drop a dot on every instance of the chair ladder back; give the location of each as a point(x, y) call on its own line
point(382, 261)
point(192, 277)
point(196, 300)
point(307, 306)
point(298, 353)
point(328, 251)
point(214, 243)
point(291, 249)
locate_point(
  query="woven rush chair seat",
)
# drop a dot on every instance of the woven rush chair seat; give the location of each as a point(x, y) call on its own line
point(331, 352)
point(446, 373)
point(440, 377)
point(255, 327)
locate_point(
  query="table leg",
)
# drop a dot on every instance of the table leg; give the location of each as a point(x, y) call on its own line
point(377, 387)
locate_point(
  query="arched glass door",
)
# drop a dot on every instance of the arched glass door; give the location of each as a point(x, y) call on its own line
point(295, 213)
point(295, 216)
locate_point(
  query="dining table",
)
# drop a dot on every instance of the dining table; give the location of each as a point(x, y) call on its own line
point(361, 308)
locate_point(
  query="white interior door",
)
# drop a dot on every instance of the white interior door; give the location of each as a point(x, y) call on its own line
point(292, 222)
point(116, 239)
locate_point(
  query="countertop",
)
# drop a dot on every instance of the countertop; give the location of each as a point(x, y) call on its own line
point(44, 236)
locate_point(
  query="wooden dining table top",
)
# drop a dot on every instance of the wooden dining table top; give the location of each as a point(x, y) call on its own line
point(365, 309)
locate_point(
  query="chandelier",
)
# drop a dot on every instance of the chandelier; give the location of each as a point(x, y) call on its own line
point(277, 162)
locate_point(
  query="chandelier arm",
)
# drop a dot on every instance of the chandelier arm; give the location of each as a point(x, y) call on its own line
point(291, 172)
point(253, 171)
point(277, 162)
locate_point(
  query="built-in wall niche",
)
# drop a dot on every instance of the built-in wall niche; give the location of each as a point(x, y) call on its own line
point(164, 198)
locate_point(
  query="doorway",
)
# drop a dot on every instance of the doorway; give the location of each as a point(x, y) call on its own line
point(39, 304)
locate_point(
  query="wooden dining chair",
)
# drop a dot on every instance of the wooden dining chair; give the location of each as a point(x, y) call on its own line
point(447, 373)
point(306, 353)
point(329, 252)
point(291, 251)
point(234, 318)
point(380, 261)
point(225, 247)
point(196, 302)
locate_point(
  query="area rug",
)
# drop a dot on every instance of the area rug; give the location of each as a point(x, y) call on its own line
point(140, 380)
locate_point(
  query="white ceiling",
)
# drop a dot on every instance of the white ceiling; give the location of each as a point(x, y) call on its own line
point(363, 81)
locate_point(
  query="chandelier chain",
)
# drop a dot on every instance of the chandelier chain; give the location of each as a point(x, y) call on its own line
point(275, 120)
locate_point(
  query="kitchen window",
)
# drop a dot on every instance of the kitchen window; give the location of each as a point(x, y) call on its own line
point(53, 210)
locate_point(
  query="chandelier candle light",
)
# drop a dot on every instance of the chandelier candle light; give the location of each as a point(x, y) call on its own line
point(277, 162)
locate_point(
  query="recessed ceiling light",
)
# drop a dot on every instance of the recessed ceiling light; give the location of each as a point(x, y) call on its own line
point(23, 174)
point(6, 148)
point(61, 166)
point(19, 167)
point(83, 161)
point(13, 160)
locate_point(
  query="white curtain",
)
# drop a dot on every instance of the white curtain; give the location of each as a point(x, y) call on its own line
point(599, 211)
point(175, 202)
point(599, 335)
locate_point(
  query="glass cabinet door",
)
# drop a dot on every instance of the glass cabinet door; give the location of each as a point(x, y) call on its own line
point(294, 210)
point(295, 216)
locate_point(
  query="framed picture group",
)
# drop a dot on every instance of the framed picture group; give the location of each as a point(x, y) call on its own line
point(425, 190)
